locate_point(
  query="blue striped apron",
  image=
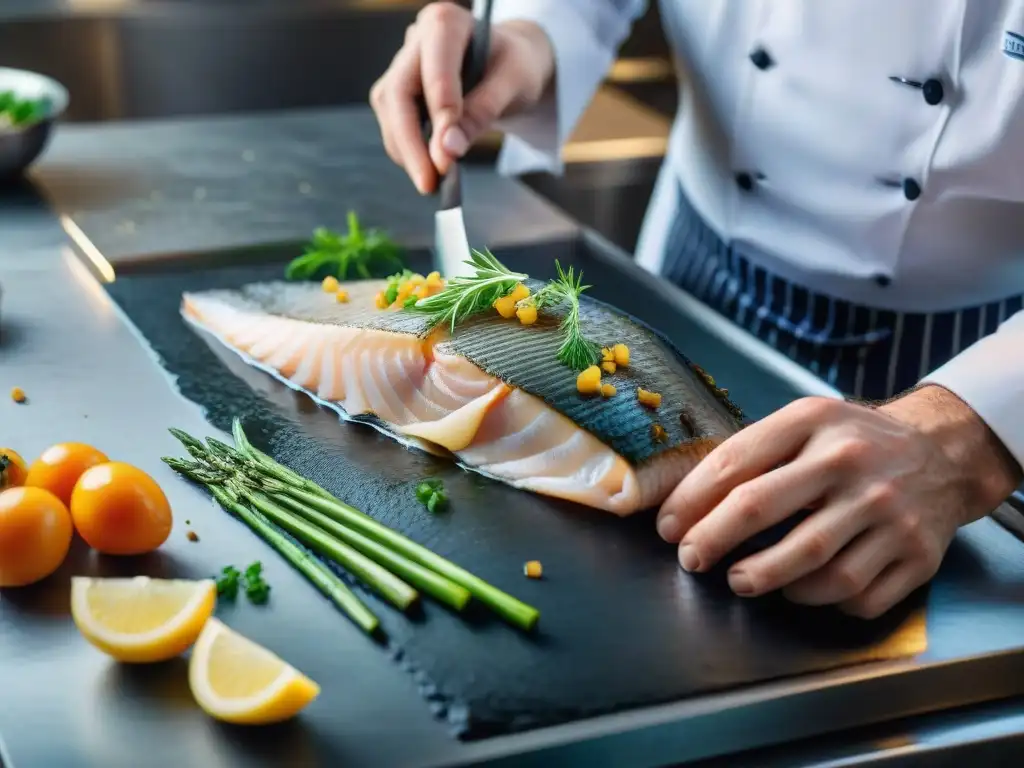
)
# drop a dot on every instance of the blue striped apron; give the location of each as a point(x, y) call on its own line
point(864, 353)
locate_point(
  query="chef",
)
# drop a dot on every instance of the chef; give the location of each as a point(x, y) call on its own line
point(845, 180)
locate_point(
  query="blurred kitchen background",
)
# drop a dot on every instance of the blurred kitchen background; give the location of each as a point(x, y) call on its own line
point(138, 59)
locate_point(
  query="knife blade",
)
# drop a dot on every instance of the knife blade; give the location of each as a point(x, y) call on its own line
point(451, 244)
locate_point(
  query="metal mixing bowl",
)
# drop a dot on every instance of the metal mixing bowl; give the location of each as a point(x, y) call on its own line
point(20, 147)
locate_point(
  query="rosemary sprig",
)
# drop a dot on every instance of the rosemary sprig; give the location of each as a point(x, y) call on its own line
point(576, 350)
point(467, 296)
point(368, 252)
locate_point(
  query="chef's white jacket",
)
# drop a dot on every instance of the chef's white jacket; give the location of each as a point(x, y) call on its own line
point(886, 137)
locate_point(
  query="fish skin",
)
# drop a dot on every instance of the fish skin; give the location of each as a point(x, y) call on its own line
point(692, 409)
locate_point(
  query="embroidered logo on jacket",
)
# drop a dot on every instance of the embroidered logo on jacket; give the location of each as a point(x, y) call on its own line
point(1013, 45)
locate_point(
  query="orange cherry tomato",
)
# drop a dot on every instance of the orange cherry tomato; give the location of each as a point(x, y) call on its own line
point(59, 467)
point(120, 510)
point(12, 469)
point(35, 535)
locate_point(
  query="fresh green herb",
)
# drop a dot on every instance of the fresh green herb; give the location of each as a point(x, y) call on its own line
point(576, 351)
point(368, 253)
point(438, 502)
point(227, 582)
point(467, 296)
point(430, 493)
point(463, 297)
point(277, 504)
point(394, 283)
point(18, 112)
point(256, 587)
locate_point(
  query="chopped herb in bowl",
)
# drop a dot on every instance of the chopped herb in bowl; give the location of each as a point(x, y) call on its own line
point(17, 113)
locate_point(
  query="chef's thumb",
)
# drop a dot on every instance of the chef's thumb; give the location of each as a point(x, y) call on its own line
point(481, 108)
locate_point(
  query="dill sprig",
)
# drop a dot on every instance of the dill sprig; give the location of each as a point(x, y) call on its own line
point(369, 252)
point(576, 350)
point(463, 297)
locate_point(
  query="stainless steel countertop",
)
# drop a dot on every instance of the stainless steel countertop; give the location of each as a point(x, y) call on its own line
point(89, 378)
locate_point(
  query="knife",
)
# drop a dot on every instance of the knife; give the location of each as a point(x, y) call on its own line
point(451, 246)
point(1011, 514)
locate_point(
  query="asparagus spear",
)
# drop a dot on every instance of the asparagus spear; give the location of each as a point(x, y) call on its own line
point(434, 584)
point(283, 482)
point(316, 572)
point(385, 583)
point(513, 610)
point(268, 466)
point(306, 564)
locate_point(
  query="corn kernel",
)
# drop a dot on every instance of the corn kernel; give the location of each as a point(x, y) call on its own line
point(589, 381)
point(607, 355)
point(18, 394)
point(434, 283)
point(520, 292)
point(650, 399)
point(433, 277)
point(420, 291)
point(527, 314)
point(417, 279)
point(380, 301)
point(607, 390)
point(533, 569)
point(621, 354)
point(404, 292)
point(506, 307)
point(330, 284)
point(658, 433)
point(341, 296)
point(608, 367)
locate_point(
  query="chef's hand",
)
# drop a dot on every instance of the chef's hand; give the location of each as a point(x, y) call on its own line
point(519, 70)
point(889, 487)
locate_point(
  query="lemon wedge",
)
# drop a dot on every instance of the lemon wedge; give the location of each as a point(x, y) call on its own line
point(235, 680)
point(141, 619)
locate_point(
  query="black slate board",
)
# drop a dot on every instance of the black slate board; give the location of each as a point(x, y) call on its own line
point(621, 625)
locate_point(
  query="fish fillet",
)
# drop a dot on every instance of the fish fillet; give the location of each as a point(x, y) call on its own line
point(492, 393)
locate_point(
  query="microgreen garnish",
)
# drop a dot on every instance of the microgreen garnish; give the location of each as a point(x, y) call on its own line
point(576, 351)
point(227, 582)
point(467, 296)
point(368, 252)
point(256, 588)
point(430, 494)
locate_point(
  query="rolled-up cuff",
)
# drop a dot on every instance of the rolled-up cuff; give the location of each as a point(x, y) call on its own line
point(534, 139)
point(989, 377)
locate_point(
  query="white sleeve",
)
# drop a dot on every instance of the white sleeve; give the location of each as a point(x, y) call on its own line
point(585, 36)
point(989, 377)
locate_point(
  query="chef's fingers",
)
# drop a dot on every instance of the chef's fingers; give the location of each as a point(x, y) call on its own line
point(393, 99)
point(804, 550)
point(502, 85)
point(892, 585)
point(843, 577)
point(750, 509)
point(751, 452)
point(444, 33)
point(379, 105)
